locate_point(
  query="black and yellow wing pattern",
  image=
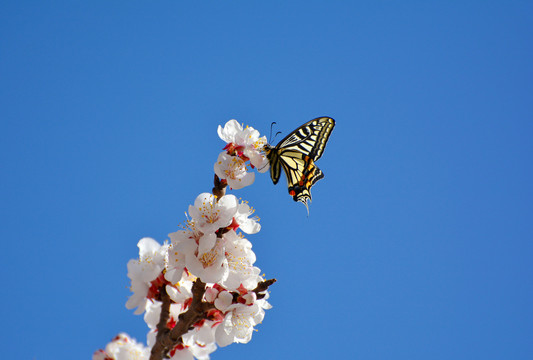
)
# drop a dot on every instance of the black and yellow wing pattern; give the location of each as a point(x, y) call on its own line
point(297, 154)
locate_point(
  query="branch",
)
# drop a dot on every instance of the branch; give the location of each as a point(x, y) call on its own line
point(167, 339)
point(161, 346)
point(195, 313)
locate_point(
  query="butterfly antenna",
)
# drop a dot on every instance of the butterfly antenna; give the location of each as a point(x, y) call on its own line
point(279, 132)
point(270, 137)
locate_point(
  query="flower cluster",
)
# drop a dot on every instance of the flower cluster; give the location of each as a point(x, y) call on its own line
point(243, 145)
point(209, 250)
point(209, 246)
point(202, 289)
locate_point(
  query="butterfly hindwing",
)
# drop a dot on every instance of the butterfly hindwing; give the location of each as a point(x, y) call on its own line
point(303, 181)
point(297, 154)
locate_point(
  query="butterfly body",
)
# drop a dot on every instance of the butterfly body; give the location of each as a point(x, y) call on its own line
point(297, 154)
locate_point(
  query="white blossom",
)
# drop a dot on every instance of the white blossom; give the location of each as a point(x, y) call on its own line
point(209, 214)
point(230, 132)
point(203, 254)
point(122, 347)
point(181, 353)
point(151, 262)
point(210, 266)
point(176, 258)
point(240, 259)
point(223, 300)
point(201, 340)
point(245, 143)
point(233, 170)
point(253, 148)
point(238, 324)
point(247, 224)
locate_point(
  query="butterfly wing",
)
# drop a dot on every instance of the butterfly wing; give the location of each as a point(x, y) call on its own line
point(296, 153)
point(302, 174)
point(310, 138)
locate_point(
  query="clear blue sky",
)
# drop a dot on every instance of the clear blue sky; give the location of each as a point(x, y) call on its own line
point(420, 240)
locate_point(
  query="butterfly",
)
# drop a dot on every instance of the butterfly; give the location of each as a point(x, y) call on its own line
point(297, 154)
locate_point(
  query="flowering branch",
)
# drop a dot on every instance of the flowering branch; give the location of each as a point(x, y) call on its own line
point(198, 310)
point(202, 289)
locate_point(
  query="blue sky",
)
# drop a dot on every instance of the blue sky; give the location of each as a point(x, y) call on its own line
point(419, 243)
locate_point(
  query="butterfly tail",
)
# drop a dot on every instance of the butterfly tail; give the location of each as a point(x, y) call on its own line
point(306, 205)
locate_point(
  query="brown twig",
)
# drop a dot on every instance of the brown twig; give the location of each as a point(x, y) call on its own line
point(219, 189)
point(194, 314)
point(263, 286)
point(167, 339)
point(160, 347)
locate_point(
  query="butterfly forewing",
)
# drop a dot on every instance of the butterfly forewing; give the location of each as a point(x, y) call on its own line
point(310, 138)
